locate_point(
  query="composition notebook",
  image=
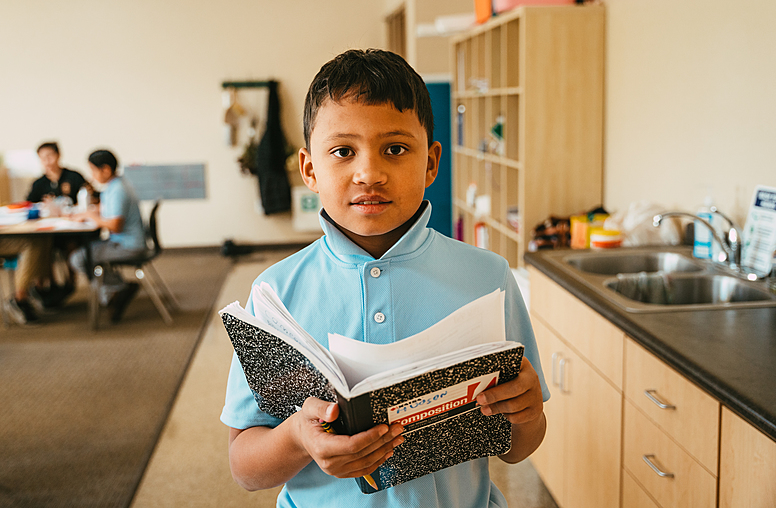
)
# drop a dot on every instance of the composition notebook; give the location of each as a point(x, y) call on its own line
point(426, 382)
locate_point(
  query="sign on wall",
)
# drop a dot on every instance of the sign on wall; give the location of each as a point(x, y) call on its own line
point(174, 181)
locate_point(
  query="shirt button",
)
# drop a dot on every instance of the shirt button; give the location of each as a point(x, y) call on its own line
point(379, 317)
point(374, 272)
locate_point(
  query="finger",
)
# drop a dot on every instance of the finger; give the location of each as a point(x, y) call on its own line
point(317, 409)
point(371, 461)
point(371, 442)
point(513, 388)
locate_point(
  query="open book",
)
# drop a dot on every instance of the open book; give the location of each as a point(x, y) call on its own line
point(427, 382)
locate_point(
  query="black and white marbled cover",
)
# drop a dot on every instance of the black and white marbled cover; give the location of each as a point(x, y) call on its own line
point(467, 436)
point(279, 375)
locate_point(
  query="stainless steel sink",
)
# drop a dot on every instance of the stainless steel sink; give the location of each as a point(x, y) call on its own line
point(612, 263)
point(704, 289)
point(660, 279)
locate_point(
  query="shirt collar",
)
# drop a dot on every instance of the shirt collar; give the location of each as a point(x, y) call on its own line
point(342, 248)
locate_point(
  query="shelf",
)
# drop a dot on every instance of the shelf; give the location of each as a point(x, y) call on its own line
point(538, 72)
point(490, 221)
point(489, 157)
point(493, 92)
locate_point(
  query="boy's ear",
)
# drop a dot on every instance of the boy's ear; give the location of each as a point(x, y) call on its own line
point(307, 170)
point(432, 163)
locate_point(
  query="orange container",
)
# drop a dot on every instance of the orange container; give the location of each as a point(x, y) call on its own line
point(483, 10)
point(506, 5)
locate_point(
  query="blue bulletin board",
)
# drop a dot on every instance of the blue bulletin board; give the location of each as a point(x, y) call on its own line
point(175, 181)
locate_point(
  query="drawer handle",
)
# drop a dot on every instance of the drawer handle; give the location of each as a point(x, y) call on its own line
point(662, 474)
point(555, 357)
point(659, 403)
point(562, 368)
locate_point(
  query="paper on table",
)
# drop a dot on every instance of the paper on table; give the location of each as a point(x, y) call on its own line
point(478, 322)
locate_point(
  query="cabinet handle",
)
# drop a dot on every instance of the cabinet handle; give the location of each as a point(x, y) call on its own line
point(662, 474)
point(555, 357)
point(659, 403)
point(562, 367)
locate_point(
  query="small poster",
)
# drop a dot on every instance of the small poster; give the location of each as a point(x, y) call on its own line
point(760, 231)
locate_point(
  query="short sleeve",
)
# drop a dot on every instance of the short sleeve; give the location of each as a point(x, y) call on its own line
point(240, 408)
point(114, 202)
point(519, 328)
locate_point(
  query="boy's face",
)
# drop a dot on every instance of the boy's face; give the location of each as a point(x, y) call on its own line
point(49, 159)
point(370, 164)
point(101, 174)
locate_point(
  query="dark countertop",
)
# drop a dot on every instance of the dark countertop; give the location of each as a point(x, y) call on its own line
point(731, 354)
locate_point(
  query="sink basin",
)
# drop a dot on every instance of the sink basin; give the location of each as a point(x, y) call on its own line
point(624, 262)
point(705, 289)
point(660, 279)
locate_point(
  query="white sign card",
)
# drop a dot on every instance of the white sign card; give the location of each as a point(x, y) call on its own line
point(760, 231)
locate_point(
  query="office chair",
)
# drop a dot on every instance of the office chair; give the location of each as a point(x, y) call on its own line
point(144, 271)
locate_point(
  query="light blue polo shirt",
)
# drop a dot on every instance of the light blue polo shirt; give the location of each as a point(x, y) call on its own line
point(119, 200)
point(334, 286)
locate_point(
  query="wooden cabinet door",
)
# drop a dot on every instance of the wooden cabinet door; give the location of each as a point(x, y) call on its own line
point(550, 458)
point(747, 473)
point(593, 429)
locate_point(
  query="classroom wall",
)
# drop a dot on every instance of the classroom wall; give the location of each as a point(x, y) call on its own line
point(143, 78)
point(689, 102)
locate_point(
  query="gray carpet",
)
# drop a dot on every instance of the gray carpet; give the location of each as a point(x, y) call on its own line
point(81, 411)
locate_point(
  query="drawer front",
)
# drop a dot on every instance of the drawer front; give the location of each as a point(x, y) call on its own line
point(633, 496)
point(595, 338)
point(668, 473)
point(691, 416)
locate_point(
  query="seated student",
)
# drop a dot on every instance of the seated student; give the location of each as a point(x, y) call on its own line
point(56, 181)
point(34, 261)
point(118, 212)
point(379, 274)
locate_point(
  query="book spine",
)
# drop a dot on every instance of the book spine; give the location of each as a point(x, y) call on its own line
point(355, 415)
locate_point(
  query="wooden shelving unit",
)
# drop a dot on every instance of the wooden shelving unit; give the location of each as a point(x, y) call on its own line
point(540, 70)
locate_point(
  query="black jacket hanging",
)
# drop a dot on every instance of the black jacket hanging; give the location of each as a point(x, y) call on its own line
point(270, 168)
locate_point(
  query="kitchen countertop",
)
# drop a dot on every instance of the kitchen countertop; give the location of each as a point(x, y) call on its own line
point(731, 353)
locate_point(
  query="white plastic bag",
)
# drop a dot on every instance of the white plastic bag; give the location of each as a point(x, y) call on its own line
point(635, 224)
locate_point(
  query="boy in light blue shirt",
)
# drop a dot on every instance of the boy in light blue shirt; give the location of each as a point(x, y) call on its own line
point(378, 275)
point(119, 213)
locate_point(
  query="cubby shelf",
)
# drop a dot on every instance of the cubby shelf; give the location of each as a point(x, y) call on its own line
point(534, 75)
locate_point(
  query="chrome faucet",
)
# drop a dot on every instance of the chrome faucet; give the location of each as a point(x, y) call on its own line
point(733, 237)
point(732, 255)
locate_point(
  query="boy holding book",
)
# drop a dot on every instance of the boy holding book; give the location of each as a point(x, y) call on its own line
point(378, 274)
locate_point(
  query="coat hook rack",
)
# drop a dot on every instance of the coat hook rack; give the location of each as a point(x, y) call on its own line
point(245, 84)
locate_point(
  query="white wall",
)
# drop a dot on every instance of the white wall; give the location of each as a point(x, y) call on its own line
point(690, 101)
point(143, 78)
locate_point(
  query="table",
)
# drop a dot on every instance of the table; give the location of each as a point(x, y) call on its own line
point(81, 232)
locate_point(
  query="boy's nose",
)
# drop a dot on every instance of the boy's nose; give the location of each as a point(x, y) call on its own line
point(370, 171)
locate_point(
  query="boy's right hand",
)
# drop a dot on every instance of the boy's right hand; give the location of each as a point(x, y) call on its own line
point(343, 456)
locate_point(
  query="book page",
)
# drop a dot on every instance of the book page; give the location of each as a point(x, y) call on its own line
point(478, 322)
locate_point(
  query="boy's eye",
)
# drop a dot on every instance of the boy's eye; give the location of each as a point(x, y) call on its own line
point(395, 150)
point(342, 152)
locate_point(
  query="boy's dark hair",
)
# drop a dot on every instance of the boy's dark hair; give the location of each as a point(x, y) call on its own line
point(371, 76)
point(52, 145)
point(102, 158)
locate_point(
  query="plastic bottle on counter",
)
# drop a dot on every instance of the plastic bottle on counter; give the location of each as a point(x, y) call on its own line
point(702, 242)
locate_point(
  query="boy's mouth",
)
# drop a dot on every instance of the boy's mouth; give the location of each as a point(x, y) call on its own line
point(369, 200)
point(370, 204)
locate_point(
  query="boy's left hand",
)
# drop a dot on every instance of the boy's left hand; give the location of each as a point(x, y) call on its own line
point(520, 399)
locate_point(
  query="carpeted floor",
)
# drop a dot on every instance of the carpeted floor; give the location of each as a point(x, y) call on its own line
point(81, 411)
